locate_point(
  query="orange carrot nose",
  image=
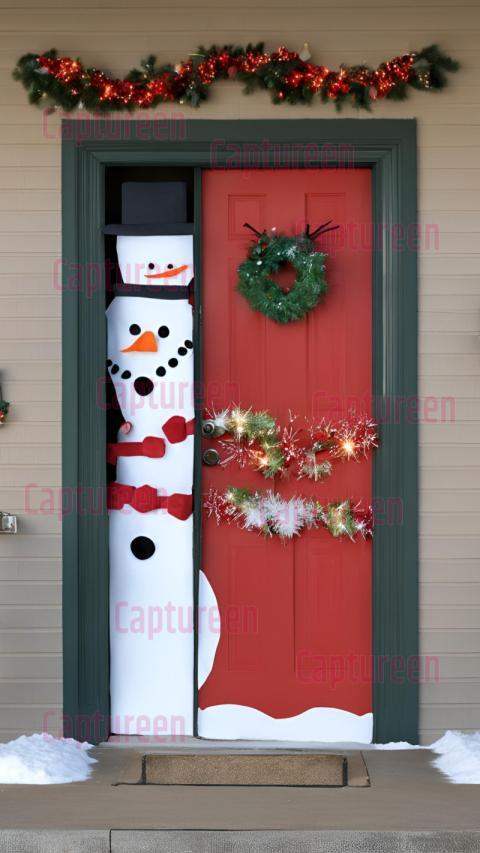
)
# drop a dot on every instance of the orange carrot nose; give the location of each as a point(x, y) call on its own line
point(145, 343)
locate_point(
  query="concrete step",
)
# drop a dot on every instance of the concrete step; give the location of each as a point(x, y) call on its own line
point(248, 841)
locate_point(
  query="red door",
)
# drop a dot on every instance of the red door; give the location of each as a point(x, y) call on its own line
point(296, 617)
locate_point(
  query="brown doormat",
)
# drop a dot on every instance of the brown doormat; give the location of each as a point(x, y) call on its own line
point(320, 770)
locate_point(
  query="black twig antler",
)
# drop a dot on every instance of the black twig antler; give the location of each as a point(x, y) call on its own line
point(258, 233)
point(310, 235)
point(322, 229)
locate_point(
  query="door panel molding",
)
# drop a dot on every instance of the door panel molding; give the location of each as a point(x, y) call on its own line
point(388, 148)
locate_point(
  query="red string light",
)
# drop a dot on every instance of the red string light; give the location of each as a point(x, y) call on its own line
point(283, 73)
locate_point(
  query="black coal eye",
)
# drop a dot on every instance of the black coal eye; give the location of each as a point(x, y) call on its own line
point(134, 329)
point(169, 266)
point(151, 266)
point(164, 331)
point(142, 547)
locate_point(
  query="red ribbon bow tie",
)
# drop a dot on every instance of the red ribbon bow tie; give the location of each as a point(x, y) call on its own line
point(176, 429)
point(153, 448)
point(146, 498)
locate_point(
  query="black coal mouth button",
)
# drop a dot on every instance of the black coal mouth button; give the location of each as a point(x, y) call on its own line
point(143, 386)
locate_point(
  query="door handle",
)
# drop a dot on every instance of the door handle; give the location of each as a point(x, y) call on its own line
point(211, 430)
point(210, 456)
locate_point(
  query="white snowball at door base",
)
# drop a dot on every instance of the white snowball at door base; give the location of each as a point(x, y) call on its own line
point(209, 627)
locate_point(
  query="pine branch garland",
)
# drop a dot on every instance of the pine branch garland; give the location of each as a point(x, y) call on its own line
point(66, 83)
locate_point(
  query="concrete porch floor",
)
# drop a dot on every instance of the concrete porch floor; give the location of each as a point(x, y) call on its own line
point(410, 806)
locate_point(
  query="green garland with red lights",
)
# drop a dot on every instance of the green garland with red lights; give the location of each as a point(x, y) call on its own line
point(65, 83)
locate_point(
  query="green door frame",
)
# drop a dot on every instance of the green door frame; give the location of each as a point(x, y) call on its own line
point(388, 148)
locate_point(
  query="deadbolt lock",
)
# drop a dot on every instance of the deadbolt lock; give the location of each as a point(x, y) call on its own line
point(211, 456)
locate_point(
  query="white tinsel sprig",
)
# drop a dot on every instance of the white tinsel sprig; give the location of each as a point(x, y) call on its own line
point(270, 514)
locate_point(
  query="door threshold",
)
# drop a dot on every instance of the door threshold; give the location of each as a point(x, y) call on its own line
point(181, 743)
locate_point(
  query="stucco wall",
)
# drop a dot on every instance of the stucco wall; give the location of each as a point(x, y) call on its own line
point(116, 34)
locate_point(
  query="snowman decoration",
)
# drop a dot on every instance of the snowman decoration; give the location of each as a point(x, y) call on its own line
point(150, 362)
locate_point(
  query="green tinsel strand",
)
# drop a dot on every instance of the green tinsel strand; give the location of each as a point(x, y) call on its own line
point(315, 470)
point(238, 497)
point(276, 461)
point(259, 423)
point(339, 520)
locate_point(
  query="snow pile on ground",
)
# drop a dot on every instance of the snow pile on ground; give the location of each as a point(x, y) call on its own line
point(459, 757)
point(44, 760)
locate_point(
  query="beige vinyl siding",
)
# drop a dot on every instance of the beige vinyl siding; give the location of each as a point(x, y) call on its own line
point(116, 34)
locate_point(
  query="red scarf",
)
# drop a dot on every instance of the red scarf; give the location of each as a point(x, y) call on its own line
point(146, 498)
point(176, 429)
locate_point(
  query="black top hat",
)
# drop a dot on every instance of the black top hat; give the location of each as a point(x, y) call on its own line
point(153, 208)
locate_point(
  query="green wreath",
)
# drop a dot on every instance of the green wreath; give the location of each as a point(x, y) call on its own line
point(266, 256)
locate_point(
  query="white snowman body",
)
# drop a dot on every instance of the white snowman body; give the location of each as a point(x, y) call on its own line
point(150, 361)
point(172, 394)
point(151, 625)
